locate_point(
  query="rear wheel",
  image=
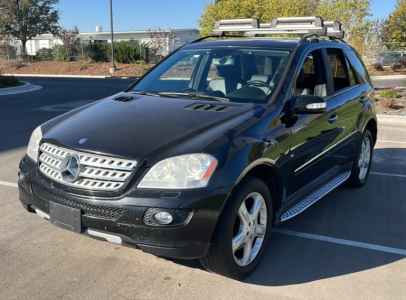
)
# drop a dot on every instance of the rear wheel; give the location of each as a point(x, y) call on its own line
point(362, 161)
point(242, 232)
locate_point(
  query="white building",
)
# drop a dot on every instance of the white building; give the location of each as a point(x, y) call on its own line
point(183, 36)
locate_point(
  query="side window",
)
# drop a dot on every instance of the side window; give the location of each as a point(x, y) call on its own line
point(342, 72)
point(308, 65)
point(311, 78)
point(353, 78)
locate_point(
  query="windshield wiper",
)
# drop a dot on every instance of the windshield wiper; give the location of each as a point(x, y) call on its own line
point(146, 93)
point(195, 96)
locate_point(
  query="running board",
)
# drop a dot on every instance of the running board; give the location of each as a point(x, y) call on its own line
point(314, 197)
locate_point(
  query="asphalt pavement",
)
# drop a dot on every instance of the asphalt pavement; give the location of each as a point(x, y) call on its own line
point(349, 245)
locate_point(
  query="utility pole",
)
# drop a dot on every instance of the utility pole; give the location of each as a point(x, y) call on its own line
point(113, 66)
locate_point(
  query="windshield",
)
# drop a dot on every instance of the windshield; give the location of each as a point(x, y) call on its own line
point(219, 74)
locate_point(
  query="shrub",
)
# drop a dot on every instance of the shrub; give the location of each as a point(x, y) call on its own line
point(389, 103)
point(402, 62)
point(377, 67)
point(129, 51)
point(8, 81)
point(60, 54)
point(45, 54)
point(97, 51)
point(396, 67)
point(392, 93)
point(81, 65)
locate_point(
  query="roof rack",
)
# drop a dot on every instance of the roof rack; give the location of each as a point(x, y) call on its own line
point(298, 25)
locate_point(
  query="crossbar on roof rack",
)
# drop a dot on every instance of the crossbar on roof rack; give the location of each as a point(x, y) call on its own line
point(334, 29)
point(298, 25)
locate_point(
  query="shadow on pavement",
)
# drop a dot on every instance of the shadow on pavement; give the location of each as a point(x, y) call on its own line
point(374, 214)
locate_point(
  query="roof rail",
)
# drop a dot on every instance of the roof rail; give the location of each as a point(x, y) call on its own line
point(297, 25)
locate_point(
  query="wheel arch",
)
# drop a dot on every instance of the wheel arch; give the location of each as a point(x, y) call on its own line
point(266, 171)
point(372, 126)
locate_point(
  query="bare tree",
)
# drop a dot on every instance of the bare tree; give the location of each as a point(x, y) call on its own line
point(69, 39)
point(161, 39)
point(378, 35)
point(5, 44)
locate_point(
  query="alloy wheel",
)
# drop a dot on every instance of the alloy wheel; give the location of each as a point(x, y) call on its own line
point(249, 229)
point(364, 158)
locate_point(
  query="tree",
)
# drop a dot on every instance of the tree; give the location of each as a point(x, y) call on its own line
point(264, 10)
point(69, 39)
point(160, 40)
point(25, 19)
point(395, 27)
point(352, 13)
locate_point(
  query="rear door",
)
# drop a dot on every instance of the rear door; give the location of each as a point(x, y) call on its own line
point(350, 95)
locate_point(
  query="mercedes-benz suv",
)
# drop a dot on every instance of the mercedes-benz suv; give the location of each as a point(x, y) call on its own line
point(211, 148)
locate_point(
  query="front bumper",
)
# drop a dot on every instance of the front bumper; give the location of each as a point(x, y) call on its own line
point(124, 219)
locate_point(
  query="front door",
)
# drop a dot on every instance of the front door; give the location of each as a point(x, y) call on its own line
point(313, 136)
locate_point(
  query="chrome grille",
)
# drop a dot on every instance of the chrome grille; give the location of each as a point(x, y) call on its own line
point(97, 172)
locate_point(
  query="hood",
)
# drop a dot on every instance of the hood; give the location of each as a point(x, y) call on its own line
point(149, 129)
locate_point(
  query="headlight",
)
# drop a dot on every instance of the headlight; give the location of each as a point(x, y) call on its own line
point(32, 150)
point(188, 171)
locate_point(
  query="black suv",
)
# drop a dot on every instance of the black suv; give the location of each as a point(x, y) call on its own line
point(215, 145)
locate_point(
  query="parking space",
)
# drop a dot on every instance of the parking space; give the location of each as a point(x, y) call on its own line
point(349, 245)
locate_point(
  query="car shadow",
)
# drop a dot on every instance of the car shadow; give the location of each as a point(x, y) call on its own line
point(374, 214)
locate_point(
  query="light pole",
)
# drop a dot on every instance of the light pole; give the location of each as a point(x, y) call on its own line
point(113, 66)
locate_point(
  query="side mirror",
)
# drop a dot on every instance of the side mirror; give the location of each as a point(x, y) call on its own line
point(310, 105)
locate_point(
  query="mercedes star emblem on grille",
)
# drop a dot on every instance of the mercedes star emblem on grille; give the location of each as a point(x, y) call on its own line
point(70, 168)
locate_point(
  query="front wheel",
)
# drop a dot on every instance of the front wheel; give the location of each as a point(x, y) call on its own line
point(243, 230)
point(362, 161)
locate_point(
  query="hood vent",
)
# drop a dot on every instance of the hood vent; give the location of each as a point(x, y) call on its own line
point(125, 98)
point(212, 107)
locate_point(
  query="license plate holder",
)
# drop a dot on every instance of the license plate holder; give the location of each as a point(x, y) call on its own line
point(66, 217)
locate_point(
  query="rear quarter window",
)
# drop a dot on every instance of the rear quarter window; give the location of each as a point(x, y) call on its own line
point(359, 67)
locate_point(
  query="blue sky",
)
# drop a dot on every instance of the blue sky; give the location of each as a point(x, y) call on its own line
point(142, 14)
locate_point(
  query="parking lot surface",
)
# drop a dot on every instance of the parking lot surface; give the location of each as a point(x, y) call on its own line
point(349, 245)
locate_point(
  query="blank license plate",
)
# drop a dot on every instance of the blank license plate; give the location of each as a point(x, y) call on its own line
point(66, 217)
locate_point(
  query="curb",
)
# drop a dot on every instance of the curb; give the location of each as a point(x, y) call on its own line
point(392, 120)
point(388, 77)
point(71, 76)
point(27, 87)
point(61, 76)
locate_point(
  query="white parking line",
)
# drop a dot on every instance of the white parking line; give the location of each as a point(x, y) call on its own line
point(387, 174)
point(8, 183)
point(340, 241)
point(383, 141)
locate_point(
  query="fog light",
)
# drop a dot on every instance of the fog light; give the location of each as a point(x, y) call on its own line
point(21, 176)
point(163, 217)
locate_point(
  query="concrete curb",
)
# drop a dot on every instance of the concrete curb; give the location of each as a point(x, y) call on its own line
point(27, 87)
point(61, 76)
point(392, 120)
point(388, 77)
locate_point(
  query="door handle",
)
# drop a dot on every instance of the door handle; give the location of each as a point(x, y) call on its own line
point(362, 100)
point(333, 118)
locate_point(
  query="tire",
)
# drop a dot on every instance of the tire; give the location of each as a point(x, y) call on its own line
point(254, 231)
point(362, 161)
